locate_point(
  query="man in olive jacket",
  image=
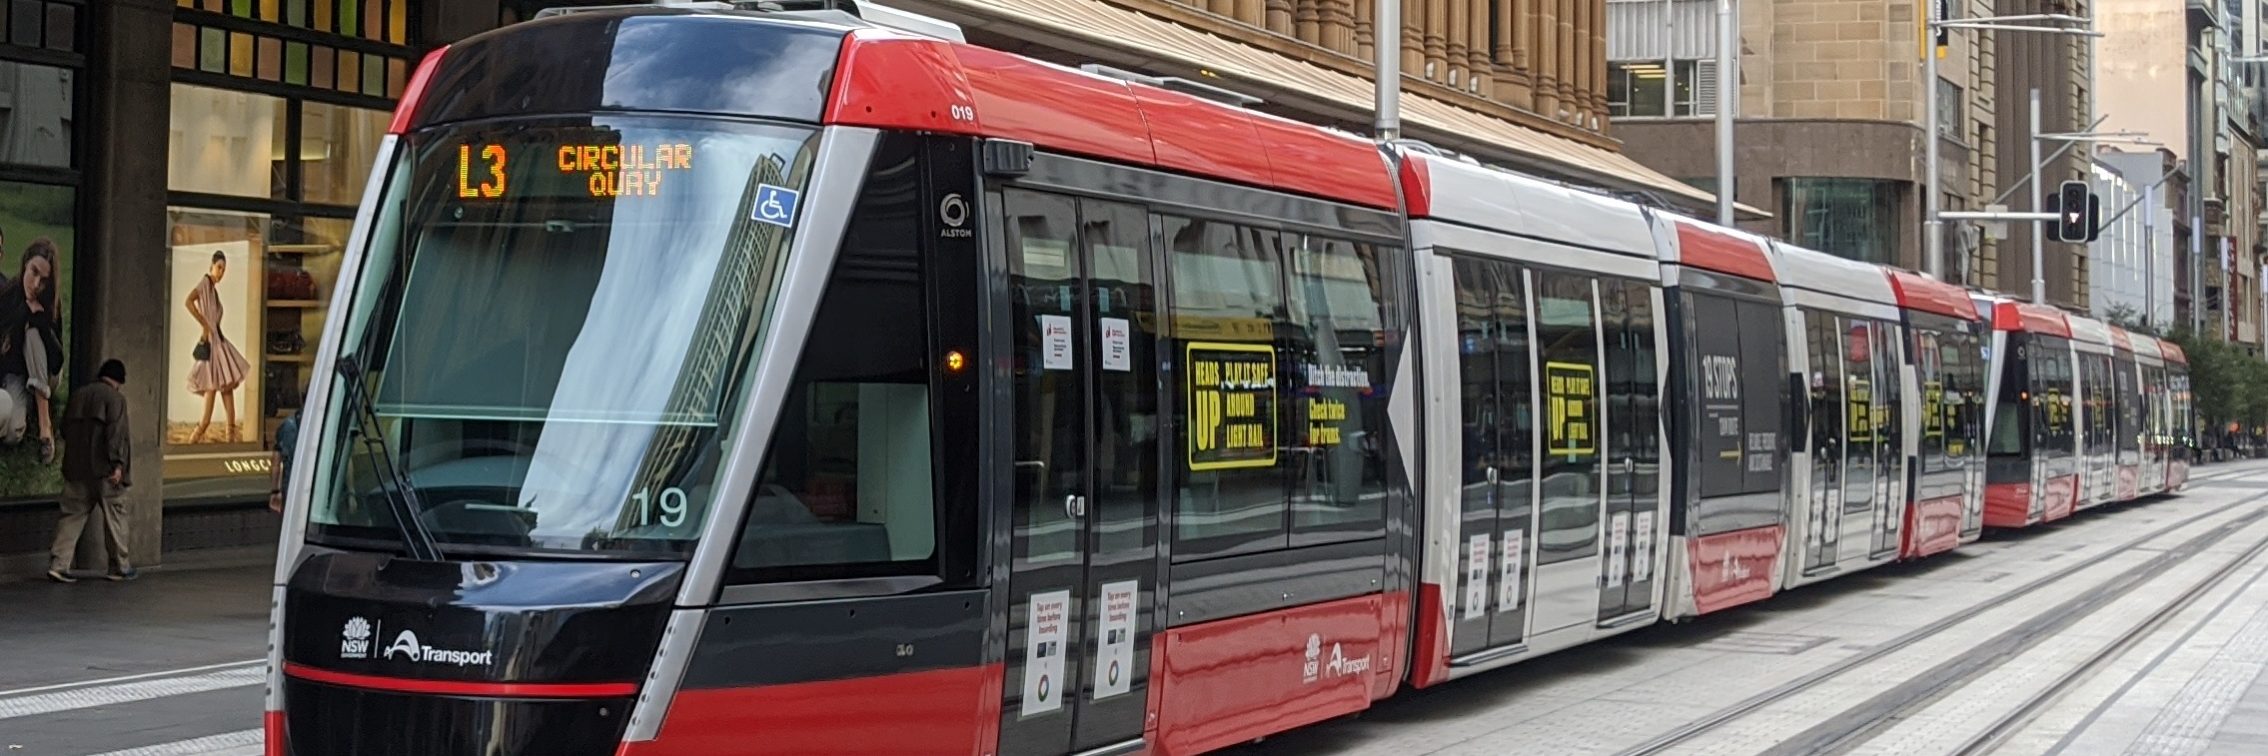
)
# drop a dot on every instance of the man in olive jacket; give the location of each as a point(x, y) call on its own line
point(97, 456)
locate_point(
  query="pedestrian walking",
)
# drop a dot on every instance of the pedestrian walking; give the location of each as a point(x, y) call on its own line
point(287, 443)
point(97, 470)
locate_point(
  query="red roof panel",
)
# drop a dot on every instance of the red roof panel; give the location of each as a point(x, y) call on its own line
point(892, 81)
point(2031, 318)
point(1710, 248)
point(1929, 295)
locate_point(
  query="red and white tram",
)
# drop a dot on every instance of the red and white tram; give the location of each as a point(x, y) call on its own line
point(1727, 421)
point(1849, 468)
point(829, 388)
point(2032, 460)
point(2099, 360)
point(1947, 380)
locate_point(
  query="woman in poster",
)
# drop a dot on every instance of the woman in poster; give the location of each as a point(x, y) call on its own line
point(31, 351)
point(220, 368)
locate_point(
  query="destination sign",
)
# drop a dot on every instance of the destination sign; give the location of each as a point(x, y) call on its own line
point(603, 170)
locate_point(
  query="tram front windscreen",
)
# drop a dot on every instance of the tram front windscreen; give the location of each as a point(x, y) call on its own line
point(553, 324)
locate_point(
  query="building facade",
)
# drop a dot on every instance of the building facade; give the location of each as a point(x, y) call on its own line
point(274, 108)
point(2131, 273)
point(2174, 70)
point(1831, 123)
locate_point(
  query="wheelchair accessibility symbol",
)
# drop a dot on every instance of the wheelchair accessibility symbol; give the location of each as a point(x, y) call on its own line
point(774, 205)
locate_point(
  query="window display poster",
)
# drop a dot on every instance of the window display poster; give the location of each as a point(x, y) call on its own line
point(212, 388)
point(36, 215)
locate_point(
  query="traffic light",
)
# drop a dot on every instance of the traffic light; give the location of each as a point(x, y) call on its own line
point(2075, 213)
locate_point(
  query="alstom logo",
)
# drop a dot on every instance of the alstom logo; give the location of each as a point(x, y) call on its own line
point(406, 644)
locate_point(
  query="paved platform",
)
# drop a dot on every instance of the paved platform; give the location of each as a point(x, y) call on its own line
point(2139, 629)
point(168, 665)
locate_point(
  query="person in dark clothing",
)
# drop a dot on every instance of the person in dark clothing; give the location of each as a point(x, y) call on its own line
point(287, 443)
point(97, 470)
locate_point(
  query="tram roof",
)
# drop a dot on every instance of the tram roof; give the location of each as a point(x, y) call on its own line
point(670, 60)
point(1720, 249)
point(2091, 331)
point(2173, 352)
point(1437, 188)
point(2143, 344)
point(2030, 318)
point(1822, 280)
point(1929, 295)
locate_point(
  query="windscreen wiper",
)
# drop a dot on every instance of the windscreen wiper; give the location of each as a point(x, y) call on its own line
point(401, 497)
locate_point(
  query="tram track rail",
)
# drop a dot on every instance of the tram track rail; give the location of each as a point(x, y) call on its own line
point(1858, 722)
point(2007, 726)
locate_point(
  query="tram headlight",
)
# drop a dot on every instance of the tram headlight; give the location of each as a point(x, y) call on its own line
point(955, 361)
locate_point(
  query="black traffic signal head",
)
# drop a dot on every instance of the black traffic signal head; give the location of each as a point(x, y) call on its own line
point(2074, 223)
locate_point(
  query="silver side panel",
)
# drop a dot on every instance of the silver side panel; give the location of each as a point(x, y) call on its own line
point(1437, 317)
point(317, 404)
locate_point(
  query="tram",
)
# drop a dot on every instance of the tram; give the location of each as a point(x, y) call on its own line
point(1948, 377)
point(830, 385)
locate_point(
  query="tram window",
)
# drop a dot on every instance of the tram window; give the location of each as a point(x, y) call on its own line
point(1645, 392)
point(1717, 370)
point(1828, 414)
point(1929, 374)
point(2129, 409)
point(1227, 300)
point(1764, 370)
point(1567, 336)
point(1124, 298)
point(2012, 418)
point(848, 483)
point(2052, 373)
point(1964, 392)
point(1334, 350)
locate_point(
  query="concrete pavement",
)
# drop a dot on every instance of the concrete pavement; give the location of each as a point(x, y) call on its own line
point(2137, 629)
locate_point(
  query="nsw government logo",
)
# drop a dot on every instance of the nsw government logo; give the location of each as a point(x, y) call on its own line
point(1310, 670)
point(354, 640)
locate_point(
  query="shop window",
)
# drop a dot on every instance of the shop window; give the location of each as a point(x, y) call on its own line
point(215, 269)
point(35, 114)
point(225, 142)
point(337, 146)
point(1855, 219)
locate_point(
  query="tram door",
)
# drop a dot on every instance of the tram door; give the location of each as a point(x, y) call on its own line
point(1633, 454)
point(1573, 550)
point(1498, 451)
point(1085, 457)
point(1875, 473)
point(1823, 516)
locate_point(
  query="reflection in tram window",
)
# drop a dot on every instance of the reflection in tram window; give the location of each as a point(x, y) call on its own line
point(2011, 423)
point(847, 488)
point(1567, 337)
point(1051, 403)
point(588, 409)
point(1124, 294)
point(1227, 306)
point(1336, 341)
point(1863, 377)
point(2130, 401)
